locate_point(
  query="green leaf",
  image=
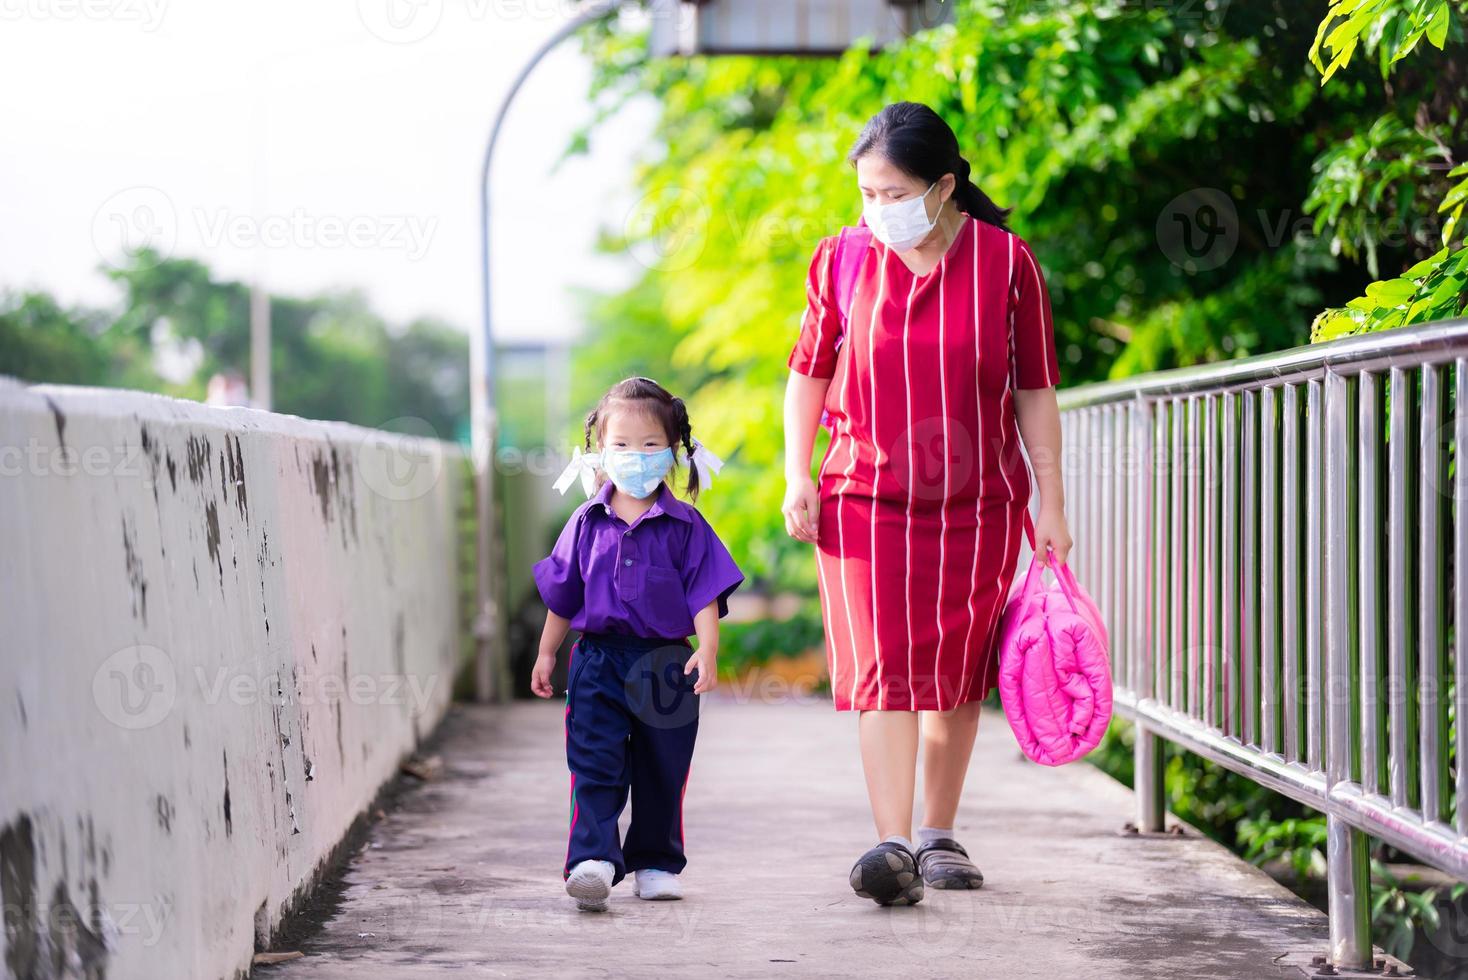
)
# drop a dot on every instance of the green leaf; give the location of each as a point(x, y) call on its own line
point(1437, 28)
point(1456, 196)
point(1426, 266)
point(1392, 292)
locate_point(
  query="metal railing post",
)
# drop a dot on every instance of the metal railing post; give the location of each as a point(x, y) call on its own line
point(1147, 766)
point(1148, 781)
point(1348, 863)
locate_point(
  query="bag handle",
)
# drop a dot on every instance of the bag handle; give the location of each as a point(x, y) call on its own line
point(1068, 585)
point(851, 249)
point(1063, 577)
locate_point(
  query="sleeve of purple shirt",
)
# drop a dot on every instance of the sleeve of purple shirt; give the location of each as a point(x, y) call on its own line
point(709, 571)
point(558, 575)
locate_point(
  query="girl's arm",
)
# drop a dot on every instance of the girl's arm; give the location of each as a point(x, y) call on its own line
point(804, 396)
point(1038, 416)
point(706, 657)
point(551, 637)
point(558, 579)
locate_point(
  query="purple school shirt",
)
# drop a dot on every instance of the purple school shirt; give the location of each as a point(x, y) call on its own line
point(645, 579)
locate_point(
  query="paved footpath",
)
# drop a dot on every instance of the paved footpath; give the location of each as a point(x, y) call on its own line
point(463, 876)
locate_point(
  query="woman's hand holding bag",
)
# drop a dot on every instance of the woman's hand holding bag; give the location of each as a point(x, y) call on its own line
point(1054, 666)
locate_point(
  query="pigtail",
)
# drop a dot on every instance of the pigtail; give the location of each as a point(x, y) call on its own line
point(685, 436)
point(592, 431)
point(974, 202)
point(591, 425)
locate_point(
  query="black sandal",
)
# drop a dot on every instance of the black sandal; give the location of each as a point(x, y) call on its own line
point(945, 864)
point(888, 875)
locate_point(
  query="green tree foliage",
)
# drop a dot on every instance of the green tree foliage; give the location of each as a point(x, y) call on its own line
point(1406, 175)
point(332, 357)
point(1105, 124)
point(39, 339)
point(1391, 28)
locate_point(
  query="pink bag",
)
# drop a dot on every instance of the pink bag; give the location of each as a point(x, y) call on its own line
point(1054, 666)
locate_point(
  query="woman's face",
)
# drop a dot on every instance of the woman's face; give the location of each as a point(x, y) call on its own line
point(883, 183)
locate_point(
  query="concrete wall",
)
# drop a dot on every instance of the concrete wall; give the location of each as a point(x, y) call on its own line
point(220, 632)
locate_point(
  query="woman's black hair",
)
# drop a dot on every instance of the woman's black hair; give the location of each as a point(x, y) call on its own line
point(916, 140)
point(647, 395)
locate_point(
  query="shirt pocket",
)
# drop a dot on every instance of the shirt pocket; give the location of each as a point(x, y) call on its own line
point(666, 603)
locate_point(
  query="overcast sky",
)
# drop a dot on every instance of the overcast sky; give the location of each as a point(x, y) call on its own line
point(319, 145)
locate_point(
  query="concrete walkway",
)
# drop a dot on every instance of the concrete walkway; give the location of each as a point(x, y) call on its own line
point(464, 875)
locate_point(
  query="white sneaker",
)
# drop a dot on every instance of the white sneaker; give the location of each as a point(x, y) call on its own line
point(590, 883)
point(657, 886)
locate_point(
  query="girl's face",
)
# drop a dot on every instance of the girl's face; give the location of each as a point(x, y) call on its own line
point(884, 183)
point(628, 429)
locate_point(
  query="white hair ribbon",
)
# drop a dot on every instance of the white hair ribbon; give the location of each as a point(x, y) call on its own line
point(705, 463)
point(583, 464)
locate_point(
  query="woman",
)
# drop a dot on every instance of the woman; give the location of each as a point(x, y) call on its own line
point(945, 360)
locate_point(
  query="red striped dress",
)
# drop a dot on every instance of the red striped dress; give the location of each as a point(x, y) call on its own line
point(923, 484)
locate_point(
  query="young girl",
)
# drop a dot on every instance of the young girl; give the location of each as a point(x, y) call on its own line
point(635, 570)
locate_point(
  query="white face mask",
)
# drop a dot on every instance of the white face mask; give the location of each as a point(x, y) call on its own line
point(637, 474)
point(902, 225)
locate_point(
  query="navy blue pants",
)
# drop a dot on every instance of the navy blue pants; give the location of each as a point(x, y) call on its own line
point(631, 720)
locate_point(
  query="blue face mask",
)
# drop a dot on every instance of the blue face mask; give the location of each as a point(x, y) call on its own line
point(637, 474)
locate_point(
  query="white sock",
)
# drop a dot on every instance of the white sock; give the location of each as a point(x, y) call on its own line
point(926, 834)
point(899, 839)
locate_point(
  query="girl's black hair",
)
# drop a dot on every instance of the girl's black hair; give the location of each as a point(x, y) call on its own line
point(653, 398)
point(916, 140)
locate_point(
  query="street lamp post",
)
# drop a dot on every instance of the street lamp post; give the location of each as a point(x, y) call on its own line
point(491, 679)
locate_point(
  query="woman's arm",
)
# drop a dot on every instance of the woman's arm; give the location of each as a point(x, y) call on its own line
point(1038, 416)
point(804, 397)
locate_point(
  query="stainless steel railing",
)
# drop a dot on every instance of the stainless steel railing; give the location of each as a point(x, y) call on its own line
point(1274, 543)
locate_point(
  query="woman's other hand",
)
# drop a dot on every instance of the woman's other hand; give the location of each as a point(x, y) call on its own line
point(1052, 532)
point(801, 509)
